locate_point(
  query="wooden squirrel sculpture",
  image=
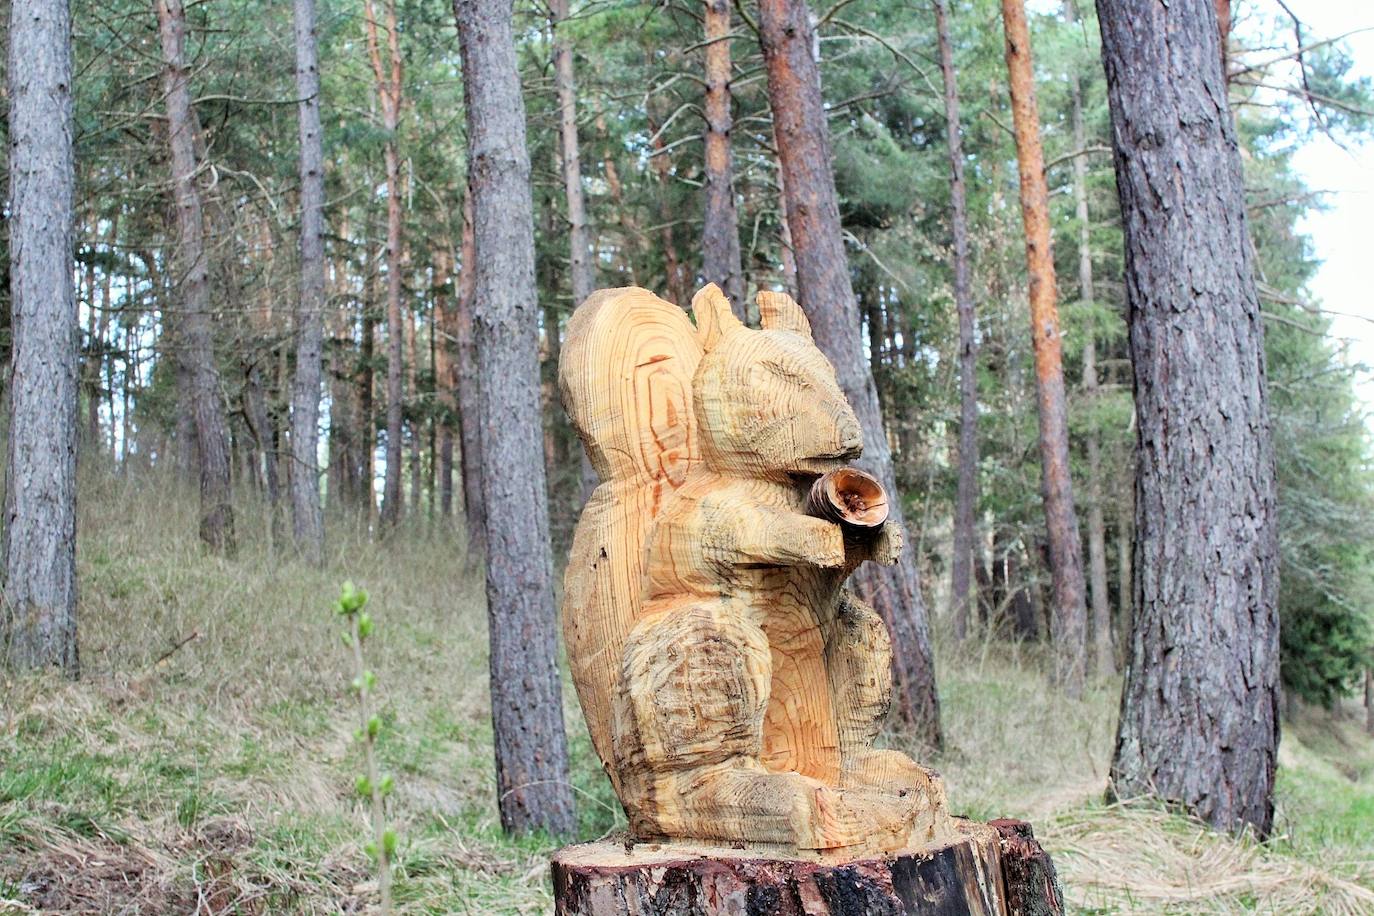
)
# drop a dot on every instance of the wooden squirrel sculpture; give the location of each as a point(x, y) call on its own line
point(731, 684)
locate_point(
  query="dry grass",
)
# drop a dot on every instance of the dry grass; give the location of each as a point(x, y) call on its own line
point(217, 779)
point(1019, 749)
point(1140, 858)
point(247, 728)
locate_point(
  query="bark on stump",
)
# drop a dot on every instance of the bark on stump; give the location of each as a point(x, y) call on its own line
point(997, 869)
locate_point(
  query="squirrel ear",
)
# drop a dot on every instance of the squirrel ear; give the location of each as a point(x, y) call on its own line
point(780, 312)
point(714, 318)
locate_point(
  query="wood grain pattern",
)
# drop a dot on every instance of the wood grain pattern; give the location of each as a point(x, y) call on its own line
point(732, 686)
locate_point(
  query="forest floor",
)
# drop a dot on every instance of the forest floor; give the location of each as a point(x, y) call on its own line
point(217, 777)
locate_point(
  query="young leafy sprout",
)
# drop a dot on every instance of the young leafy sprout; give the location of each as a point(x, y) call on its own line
point(382, 848)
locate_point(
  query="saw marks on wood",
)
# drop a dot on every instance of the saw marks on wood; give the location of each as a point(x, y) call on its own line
point(732, 686)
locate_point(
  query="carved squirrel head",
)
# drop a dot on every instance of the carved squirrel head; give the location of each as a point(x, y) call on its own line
point(767, 402)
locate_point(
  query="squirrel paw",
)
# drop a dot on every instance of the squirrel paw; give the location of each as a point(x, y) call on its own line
point(886, 546)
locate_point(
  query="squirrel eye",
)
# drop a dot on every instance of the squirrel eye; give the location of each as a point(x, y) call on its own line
point(786, 374)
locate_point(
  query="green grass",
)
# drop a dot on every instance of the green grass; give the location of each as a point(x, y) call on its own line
point(1326, 789)
point(223, 771)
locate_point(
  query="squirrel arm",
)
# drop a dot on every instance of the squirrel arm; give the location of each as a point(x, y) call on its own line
point(770, 536)
point(884, 547)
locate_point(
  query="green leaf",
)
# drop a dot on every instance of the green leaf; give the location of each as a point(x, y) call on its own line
point(351, 598)
point(374, 725)
point(365, 625)
point(388, 785)
point(389, 842)
point(363, 786)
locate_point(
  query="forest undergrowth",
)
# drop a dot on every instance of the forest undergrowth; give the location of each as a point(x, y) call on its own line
point(205, 763)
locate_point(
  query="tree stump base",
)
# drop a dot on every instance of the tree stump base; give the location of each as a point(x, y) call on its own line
point(995, 869)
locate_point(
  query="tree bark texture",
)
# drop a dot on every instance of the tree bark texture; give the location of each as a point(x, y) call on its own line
point(1199, 722)
point(388, 78)
point(38, 619)
point(720, 225)
point(966, 499)
point(991, 870)
point(307, 521)
point(195, 338)
point(526, 696)
point(826, 292)
point(1104, 654)
point(1069, 612)
point(469, 392)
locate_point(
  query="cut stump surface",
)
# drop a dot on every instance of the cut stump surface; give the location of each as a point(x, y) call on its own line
point(995, 869)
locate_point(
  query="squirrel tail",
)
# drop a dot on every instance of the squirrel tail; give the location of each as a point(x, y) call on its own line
point(625, 378)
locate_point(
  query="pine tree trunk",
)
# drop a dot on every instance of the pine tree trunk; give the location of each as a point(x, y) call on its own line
point(260, 428)
point(581, 265)
point(788, 256)
point(966, 499)
point(630, 233)
point(416, 424)
point(126, 418)
point(367, 380)
point(343, 407)
point(38, 622)
point(392, 499)
point(432, 418)
point(469, 394)
point(813, 216)
point(388, 81)
point(1224, 34)
point(720, 226)
point(195, 348)
point(675, 279)
point(1104, 655)
point(307, 521)
point(1369, 701)
point(581, 260)
point(445, 370)
point(1199, 720)
point(344, 477)
point(1125, 592)
point(1069, 611)
point(108, 335)
point(526, 695)
point(97, 319)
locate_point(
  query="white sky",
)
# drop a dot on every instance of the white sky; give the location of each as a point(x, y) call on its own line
point(1343, 234)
